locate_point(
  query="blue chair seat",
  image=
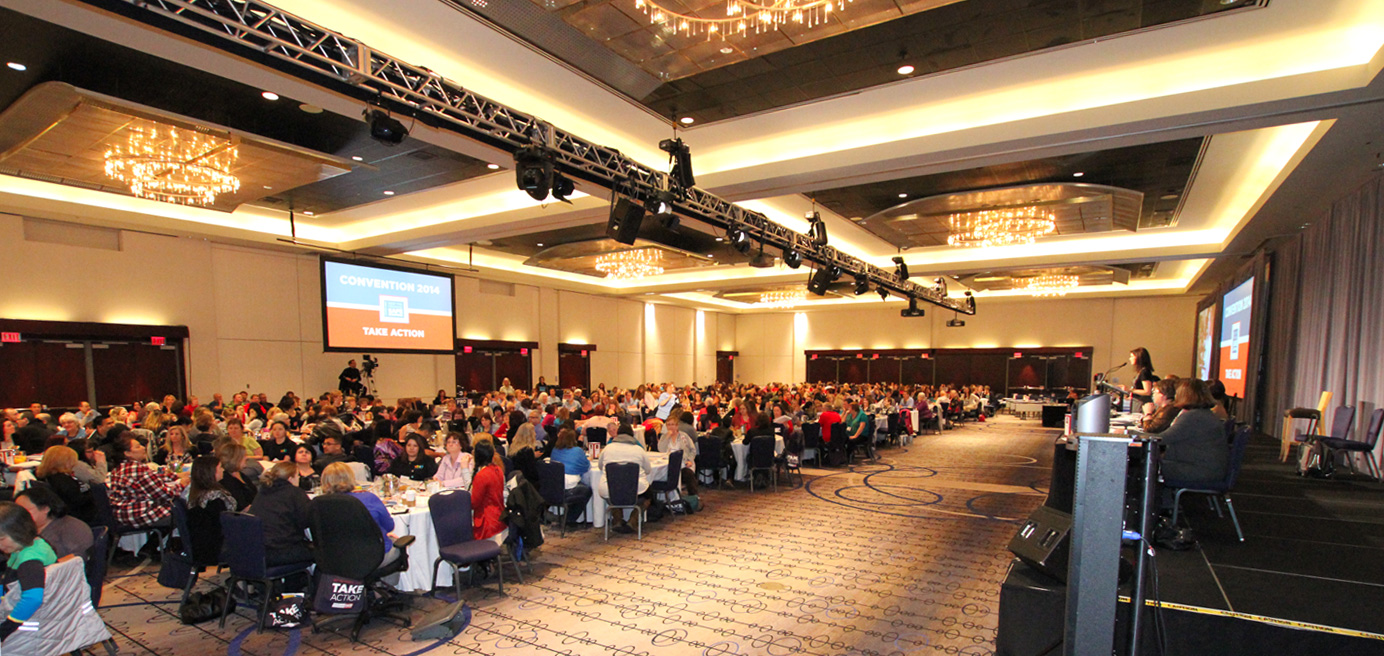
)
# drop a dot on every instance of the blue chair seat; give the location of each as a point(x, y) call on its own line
point(466, 553)
point(281, 571)
point(1340, 444)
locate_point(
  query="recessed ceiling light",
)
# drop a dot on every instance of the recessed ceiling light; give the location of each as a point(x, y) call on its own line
point(1168, 196)
point(906, 69)
point(1078, 174)
point(727, 50)
point(492, 167)
point(687, 120)
point(270, 95)
point(17, 66)
point(310, 109)
point(903, 195)
point(306, 213)
point(268, 187)
point(720, 239)
point(540, 244)
point(358, 158)
point(710, 255)
point(389, 193)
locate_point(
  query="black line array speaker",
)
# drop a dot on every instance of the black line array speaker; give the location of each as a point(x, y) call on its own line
point(626, 216)
point(1044, 541)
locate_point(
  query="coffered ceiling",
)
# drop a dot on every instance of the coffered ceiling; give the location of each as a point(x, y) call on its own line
point(1204, 109)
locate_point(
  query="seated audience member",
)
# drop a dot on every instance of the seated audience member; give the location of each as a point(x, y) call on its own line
point(305, 462)
point(575, 465)
point(69, 428)
point(523, 451)
point(235, 430)
point(28, 555)
point(177, 451)
point(233, 478)
point(455, 468)
point(674, 439)
point(414, 462)
point(140, 496)
point(1159, 413)
point(625, 447)
point(830, 416)
point(57, 471)
point(282, 506)
point(1194, 444)
point(332, 451)
point(487, 495)
point(338, 479)
point(1222, 400)
point(67, 535)
point(279, 446)
point(206, 500)
point(8, 427)
point(91, 461)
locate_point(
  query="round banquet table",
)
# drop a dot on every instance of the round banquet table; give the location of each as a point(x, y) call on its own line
point(416, 521)
point(742, 456)
point(596, 508)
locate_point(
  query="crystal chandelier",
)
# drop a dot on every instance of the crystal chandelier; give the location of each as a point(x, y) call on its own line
point(744, 16)
point(986, 228)
point(782, 298)
point(1048, 284)
point(174, 165)
point(631, 264)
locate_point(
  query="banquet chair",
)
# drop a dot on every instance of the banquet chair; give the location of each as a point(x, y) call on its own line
point(596, 435)
point(551, 432)
point(188, 553)
point(67, 622)
point(792, 458)
point(246, 555)
point(552, 486)
point(348, 543)
point(669, 484)
point(96, 562)
point(1342, 421)
point(761, 458)
point(622, 482)
point(456, 543)
point(105, 516)
point(895, 430)
point(812, 441)
point(710, 458)
point(1332, 445)
point(836, 448)
point(1219, 490)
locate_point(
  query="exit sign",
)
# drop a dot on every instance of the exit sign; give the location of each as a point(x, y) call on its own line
point(9, 338)
point(158, 341)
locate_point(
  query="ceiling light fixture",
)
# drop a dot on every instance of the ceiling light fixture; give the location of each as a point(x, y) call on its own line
point(306, 213)
point(744, 16)
point(631, 264)
point(883, 293)
point(533, 172)
point(661, 206)
point(493, 167)
point(388, 193)
point(906, 69)
point(687, 120)
point(563, 187)
point(903, 195)
point(1048, 284)
point(1078, 174)
point(1011, 227)
point(358, 158)
point(309, 109)
point(174, 165)
point(17, 66)
point(782, 298)
point(539, 244)
point(737, 238)
point(270, 95)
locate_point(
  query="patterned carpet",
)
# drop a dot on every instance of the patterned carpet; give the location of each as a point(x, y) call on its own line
point(900, 556)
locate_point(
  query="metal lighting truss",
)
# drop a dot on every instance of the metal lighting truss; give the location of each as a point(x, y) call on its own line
point(308, 49)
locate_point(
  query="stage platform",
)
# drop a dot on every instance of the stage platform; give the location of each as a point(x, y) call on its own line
point(1309, 578)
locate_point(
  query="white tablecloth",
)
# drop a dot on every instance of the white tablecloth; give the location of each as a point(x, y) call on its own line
point(417, 522)
point(596, 508)
point(742, 456)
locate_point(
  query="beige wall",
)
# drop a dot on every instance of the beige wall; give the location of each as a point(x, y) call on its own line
point(771, 345)
point(255, 316)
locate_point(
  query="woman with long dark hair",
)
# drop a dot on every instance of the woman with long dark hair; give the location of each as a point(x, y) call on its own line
point(414, 462)
point(1141, 390)
point(488, 496)
point(206, 500)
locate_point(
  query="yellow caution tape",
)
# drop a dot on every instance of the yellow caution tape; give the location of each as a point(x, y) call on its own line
point(1293, 624)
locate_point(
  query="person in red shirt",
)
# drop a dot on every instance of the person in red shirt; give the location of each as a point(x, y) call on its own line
point(826, 420)
point(487, 495)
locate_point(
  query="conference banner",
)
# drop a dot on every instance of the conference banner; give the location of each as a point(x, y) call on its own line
point(370, 307)
point(1235, 317)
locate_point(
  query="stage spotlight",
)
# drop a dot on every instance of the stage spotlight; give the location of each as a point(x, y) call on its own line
point(792, 258)
point(817, 284)
point(384, 128)
point(625, 219)
point(913, 310)
point(661, 206)
point(533, 172)
point(900, 267)
point(835, 272)
point(681, 171)
point(883, 293)
point(738, 240)
point(563, 187)
point(862, 285)
point(817, 229)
